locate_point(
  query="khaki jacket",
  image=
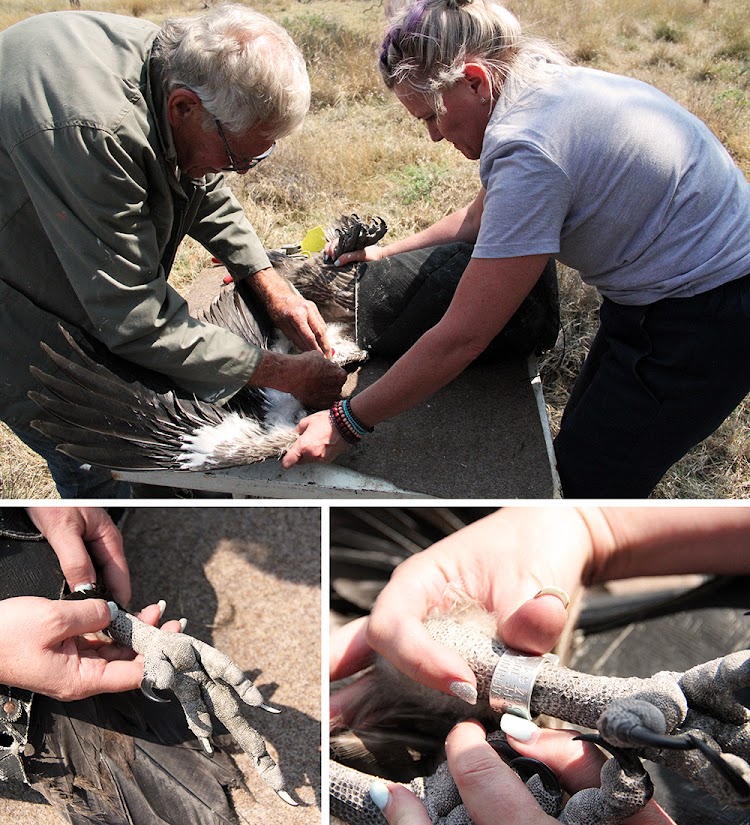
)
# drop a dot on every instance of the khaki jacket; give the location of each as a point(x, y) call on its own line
point(92, 209)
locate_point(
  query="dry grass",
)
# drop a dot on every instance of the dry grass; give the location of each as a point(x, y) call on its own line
point(359, 151)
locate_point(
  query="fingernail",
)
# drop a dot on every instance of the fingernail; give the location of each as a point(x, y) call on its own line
point(113, 610)
point(555, 591)
point(85, 587)
point(337, 262)
point(183, 624)
point(162, 605)
point(465, 691)
point(379, 794)
point(519, 728)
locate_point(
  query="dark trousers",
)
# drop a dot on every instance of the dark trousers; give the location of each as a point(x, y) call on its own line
point(71, 479)
point(658, 380)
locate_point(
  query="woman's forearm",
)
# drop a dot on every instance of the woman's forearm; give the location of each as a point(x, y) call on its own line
point(461, 225)
point(653, 541)
point(488, 294)
point(428, 366)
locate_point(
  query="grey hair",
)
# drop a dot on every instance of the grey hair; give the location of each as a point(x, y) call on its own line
point(246, 69)
point(428, 43)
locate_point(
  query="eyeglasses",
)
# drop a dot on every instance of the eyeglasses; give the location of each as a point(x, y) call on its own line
point(245, 165)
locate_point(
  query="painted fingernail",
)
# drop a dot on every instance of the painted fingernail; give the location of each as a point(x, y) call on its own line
point(84, 587)
point(555, 591)
point(337, 262)
point(465, 691)
point(183, 624)
point(162, 605)
point(113, 610)
point(524, 730)
point(379, 794)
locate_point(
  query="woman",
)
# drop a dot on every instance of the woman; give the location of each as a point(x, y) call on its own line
point(614, 179)
point(521, 563)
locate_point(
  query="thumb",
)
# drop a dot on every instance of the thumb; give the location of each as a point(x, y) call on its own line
point(303, 425)
point(486, 784)
point(398, 804)
point(77, 618)
point(536, 625)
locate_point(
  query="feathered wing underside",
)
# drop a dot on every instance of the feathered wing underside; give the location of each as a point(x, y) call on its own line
point(98, 418)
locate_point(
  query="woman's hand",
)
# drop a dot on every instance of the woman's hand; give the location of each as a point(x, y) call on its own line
point(80, 534)
point(487, 785)
point(43, 648)
point(317, 440)
point(503, 561)
point(369, 253)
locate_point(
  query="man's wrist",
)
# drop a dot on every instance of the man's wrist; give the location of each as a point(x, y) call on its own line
point(274, 370)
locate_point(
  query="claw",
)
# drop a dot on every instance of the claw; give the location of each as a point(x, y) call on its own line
point(288, 799)
point(644, 736)
point(148, 690)
point(503, 749)
point(629, 762)
point(526, 767)
point(208, 748)
point(269, 708)
point(726, 770)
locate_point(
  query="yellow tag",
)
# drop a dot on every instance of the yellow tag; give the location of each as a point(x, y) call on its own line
point(314, 241)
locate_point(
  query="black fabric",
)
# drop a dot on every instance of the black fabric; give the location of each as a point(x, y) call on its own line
point(400, 297)
point(658, 380)
point(28, 565)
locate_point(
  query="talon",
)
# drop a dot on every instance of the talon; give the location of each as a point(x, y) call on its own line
point(642, 735)
point(148, 690)
point(288, 799)
point(269, 708)
point(503, 749)
point(629, 762)
point(526, 767)
point(208, 748)
point(726, 770)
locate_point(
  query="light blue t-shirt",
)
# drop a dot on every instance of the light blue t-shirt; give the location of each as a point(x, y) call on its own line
point(616, 180)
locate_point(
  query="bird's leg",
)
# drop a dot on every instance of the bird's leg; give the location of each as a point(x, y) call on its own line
point(207, 684)
point(656, 716)
point(354, 233)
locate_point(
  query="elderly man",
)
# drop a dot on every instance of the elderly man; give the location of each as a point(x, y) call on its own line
point(113, 136)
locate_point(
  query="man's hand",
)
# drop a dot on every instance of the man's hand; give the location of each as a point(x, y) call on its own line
point(309, 377)
point(79, 535)
point(295, 316)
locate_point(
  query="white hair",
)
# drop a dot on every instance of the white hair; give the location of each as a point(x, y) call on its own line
point(246, 69)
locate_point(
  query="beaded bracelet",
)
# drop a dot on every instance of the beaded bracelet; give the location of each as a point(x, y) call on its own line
point(348, 425)
point(342, 425)
point(353, 420)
